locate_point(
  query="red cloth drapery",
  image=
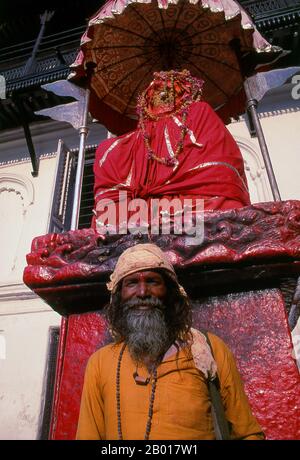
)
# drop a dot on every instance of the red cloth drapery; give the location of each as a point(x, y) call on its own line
point(209, 166)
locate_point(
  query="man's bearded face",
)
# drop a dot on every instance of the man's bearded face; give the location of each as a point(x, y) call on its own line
point(143, 310)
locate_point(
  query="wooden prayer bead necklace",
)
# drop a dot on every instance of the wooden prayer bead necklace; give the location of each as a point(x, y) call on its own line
point(151, 402)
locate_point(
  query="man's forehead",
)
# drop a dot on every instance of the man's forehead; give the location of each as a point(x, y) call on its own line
point(144, 274)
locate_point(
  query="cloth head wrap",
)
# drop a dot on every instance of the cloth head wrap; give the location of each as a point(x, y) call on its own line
point(141, 257)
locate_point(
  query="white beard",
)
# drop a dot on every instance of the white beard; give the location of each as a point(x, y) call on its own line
point(146, 333)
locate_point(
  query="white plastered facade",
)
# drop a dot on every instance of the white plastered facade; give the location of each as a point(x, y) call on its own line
point(25, 320)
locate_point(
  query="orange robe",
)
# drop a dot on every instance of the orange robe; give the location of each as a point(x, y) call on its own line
point(182, 408)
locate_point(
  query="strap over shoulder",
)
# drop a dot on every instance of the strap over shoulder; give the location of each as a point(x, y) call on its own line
point(221, 425)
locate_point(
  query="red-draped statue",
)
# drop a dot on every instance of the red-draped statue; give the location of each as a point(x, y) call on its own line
point(180, 149)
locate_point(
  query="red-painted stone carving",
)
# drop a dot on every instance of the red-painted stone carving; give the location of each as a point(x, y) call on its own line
point(261, 241)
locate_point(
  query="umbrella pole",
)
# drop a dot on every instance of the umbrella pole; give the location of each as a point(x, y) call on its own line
point(252, 104)
point(83, 132)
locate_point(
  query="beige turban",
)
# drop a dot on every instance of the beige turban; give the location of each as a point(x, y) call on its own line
point(137, 258)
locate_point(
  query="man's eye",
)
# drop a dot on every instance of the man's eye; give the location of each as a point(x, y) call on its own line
point(131, 283)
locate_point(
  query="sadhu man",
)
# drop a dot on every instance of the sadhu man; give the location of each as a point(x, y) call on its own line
point(152, 381)
point(181, 149)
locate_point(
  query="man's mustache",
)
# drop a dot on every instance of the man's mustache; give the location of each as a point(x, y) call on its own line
point(151, 302)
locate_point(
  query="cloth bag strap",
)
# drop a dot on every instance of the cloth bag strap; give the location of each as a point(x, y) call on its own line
point(221, 425)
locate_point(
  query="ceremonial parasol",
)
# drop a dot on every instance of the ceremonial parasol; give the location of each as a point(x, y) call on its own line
point(127, 40)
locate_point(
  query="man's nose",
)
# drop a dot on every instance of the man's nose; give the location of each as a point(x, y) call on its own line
point(142, 289)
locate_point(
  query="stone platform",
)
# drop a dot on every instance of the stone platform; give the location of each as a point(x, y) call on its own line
point(256, 243)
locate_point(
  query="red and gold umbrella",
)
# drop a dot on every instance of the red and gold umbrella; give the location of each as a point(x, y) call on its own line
point(127, 40)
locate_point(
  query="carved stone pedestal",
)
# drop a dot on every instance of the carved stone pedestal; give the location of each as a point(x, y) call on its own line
point(236, 279)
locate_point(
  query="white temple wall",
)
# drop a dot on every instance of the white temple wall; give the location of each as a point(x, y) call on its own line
point(281, 132)
point(24, 212)
point(24, 318)
point(24, 328)
point(25, 205)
